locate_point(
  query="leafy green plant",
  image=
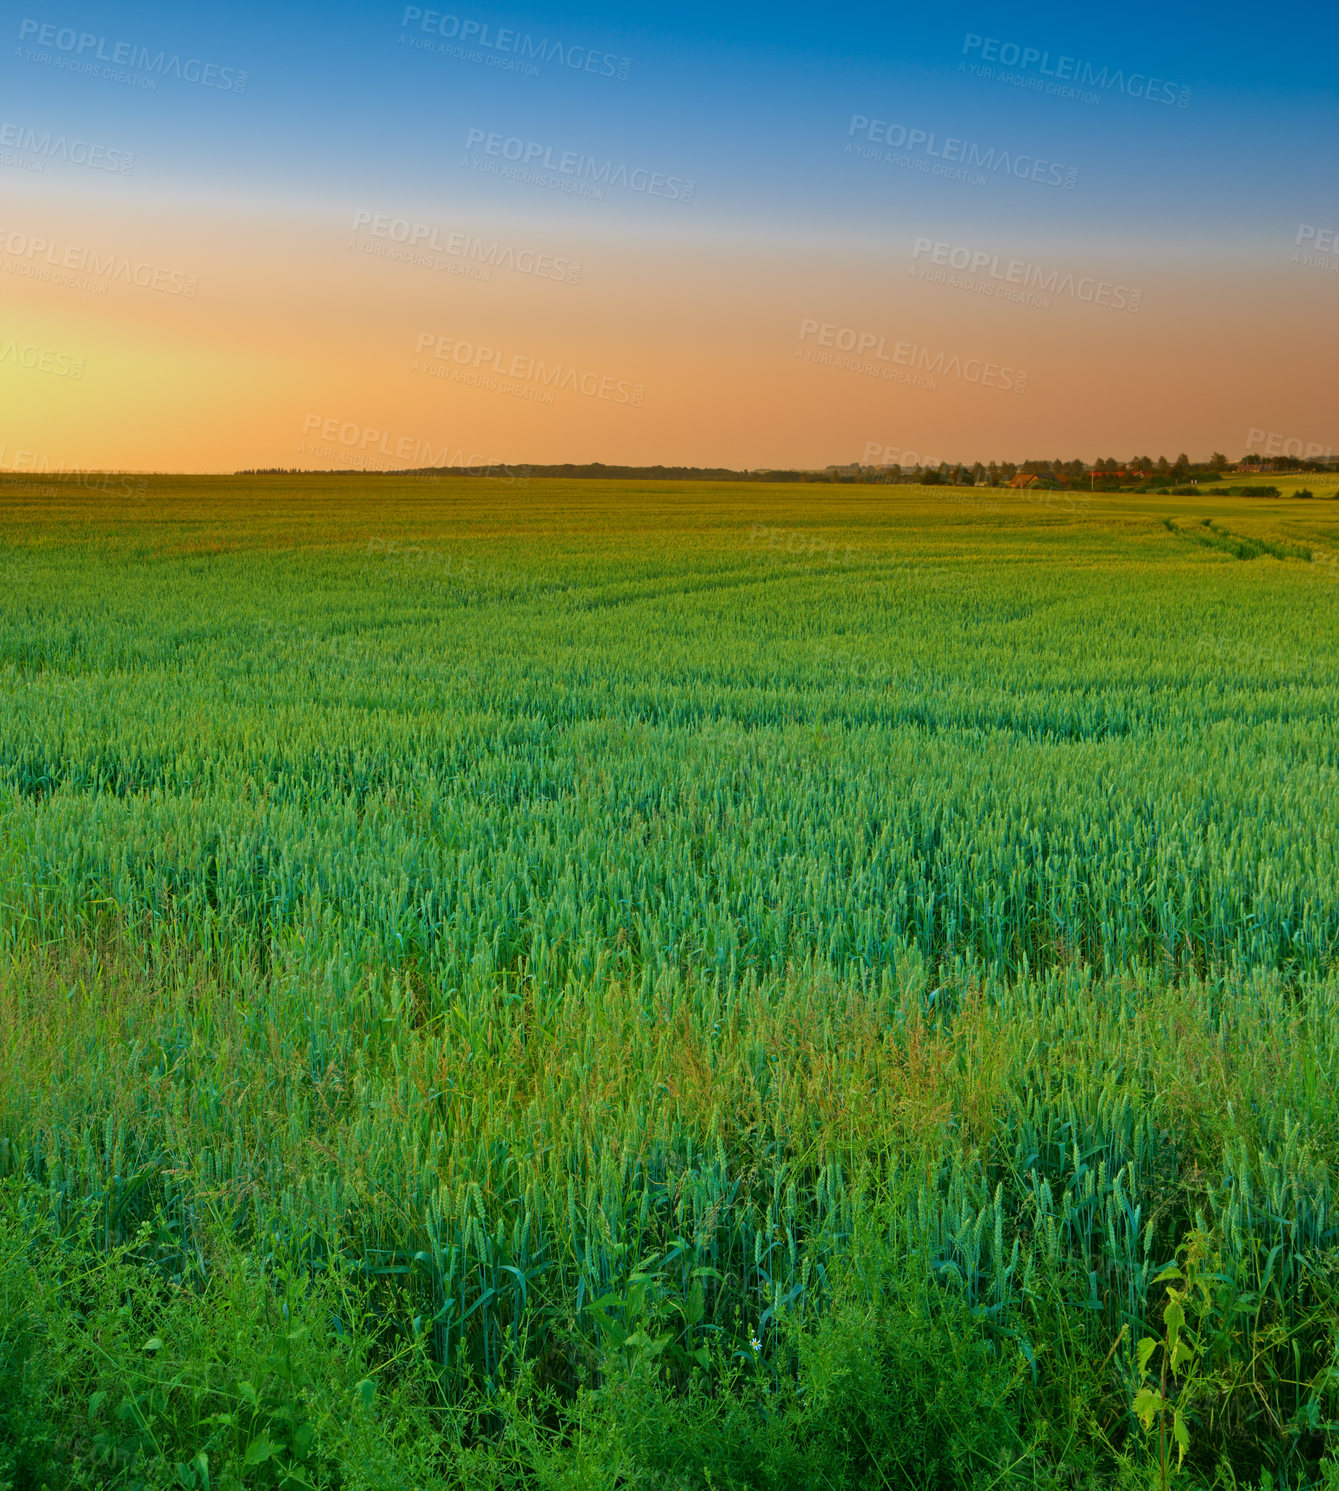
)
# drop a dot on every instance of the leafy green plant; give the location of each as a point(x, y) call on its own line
point(1166, 1398)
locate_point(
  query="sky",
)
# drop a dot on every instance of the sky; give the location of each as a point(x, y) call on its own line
point(388, 236)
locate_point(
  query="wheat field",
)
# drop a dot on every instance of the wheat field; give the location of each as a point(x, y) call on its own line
point(613, 961)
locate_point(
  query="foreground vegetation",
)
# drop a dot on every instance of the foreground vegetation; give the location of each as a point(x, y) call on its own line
point(681, 986)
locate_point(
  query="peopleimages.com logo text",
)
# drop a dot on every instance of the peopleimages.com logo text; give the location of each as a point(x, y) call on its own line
point(424, 243)
point(1316, 248)
point(84, 48)
point(43, 254)
point(504, 39)
point(1073, 70)
point(41, 359)
point(358, 445)
point(33, 463)
point(525, 368)
point(531, 156)
point(906, 362)
point(971, 156)
point(1271, 443)
point(58, 147)
point(1039, 277)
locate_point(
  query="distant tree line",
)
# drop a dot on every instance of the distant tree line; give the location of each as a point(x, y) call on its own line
point(592, 471)
point(1108, 473)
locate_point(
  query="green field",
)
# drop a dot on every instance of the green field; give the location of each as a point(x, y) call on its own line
point(666, 985)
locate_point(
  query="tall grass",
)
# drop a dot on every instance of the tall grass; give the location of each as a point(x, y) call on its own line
point(633, 978)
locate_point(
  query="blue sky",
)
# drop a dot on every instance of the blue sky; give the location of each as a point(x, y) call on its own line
point(753, 102)
point(797, 210)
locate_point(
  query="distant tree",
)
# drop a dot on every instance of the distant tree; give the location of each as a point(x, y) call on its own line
point(1218, 460)
point(1164, 466)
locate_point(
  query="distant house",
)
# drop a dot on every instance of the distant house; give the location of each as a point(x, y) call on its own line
point(1026, 479)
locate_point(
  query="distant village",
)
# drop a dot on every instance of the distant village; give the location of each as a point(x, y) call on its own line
point(1141, 474)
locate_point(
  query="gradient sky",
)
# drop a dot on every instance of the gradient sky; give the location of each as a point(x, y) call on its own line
point(268, 330)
